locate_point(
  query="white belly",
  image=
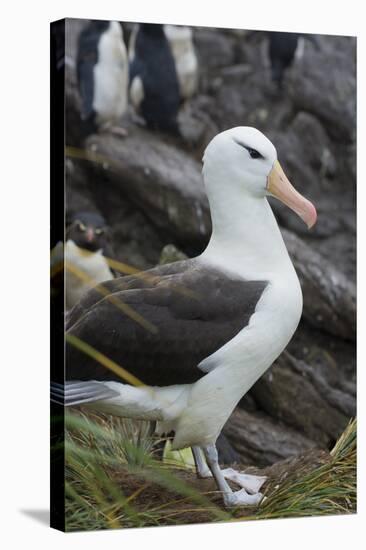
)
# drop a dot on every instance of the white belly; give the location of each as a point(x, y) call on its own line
point(111, 76)
point(180, 40)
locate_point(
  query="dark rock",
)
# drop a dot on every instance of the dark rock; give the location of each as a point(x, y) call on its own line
point(324, 84)
point(258, 439)
point(236, 73)
point(312, 144)
point(135, 241)
point(242, 101)
point(334, 357)
point(329, 297)
point(340, 249)
point(196, 126)
point(227, 453)
point(214, 49)
point(296, 394)
point(158, 178)
point(78, 196)
point(309, 160)
point(324, 172)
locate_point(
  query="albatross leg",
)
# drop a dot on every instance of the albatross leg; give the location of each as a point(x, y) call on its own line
point(231, 498)
point(202, 469)
point(250, 483)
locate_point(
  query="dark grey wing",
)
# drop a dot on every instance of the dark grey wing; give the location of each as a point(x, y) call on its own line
point(145, 279)
point(188, 315)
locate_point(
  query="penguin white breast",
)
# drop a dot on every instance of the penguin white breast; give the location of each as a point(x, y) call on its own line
point(181, 44)
point(111, 76)
point(83, 271)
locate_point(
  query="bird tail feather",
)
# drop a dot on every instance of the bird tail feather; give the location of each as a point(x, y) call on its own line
point(78, 392)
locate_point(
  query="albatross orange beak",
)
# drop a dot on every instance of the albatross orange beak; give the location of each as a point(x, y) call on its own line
point(279, 186)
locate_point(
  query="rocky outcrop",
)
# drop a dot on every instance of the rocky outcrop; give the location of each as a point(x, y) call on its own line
point(329, 297)
point(329, 94)
point(259, 439)
point(158, 178)
point(299, 395)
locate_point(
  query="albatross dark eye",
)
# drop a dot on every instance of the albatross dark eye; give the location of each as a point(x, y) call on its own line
point(254, 153)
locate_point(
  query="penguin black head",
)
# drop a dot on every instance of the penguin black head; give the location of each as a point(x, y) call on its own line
point(89, 231)
point(282, 49)
point(97, 26)
point(152, 29)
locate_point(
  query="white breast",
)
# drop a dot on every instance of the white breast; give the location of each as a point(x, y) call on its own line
point(83, 271)
point(111, 76)
point(136, 92)
point(299, 53)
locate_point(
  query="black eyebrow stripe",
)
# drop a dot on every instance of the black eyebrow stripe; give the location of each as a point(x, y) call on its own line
point(246, 147)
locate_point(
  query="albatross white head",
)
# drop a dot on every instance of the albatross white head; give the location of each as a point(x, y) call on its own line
point(240, 170)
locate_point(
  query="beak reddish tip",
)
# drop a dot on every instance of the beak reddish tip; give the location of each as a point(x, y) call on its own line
point(312, 216)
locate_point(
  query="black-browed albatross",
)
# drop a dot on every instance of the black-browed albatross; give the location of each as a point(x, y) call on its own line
point(216, 322)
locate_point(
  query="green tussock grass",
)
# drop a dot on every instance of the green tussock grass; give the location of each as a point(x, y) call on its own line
point(113, 480)
point(110, 466)
point(328, 489)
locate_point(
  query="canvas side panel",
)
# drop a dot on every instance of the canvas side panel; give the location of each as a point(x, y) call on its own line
point(57, 103)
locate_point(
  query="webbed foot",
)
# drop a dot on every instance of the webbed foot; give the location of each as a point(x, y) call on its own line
point(241, 498)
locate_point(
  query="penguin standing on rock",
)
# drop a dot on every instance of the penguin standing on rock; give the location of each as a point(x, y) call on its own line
point(283, 47)
point(102, 74)
point(87, 248)
point(154, 85)
point(186, 63)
